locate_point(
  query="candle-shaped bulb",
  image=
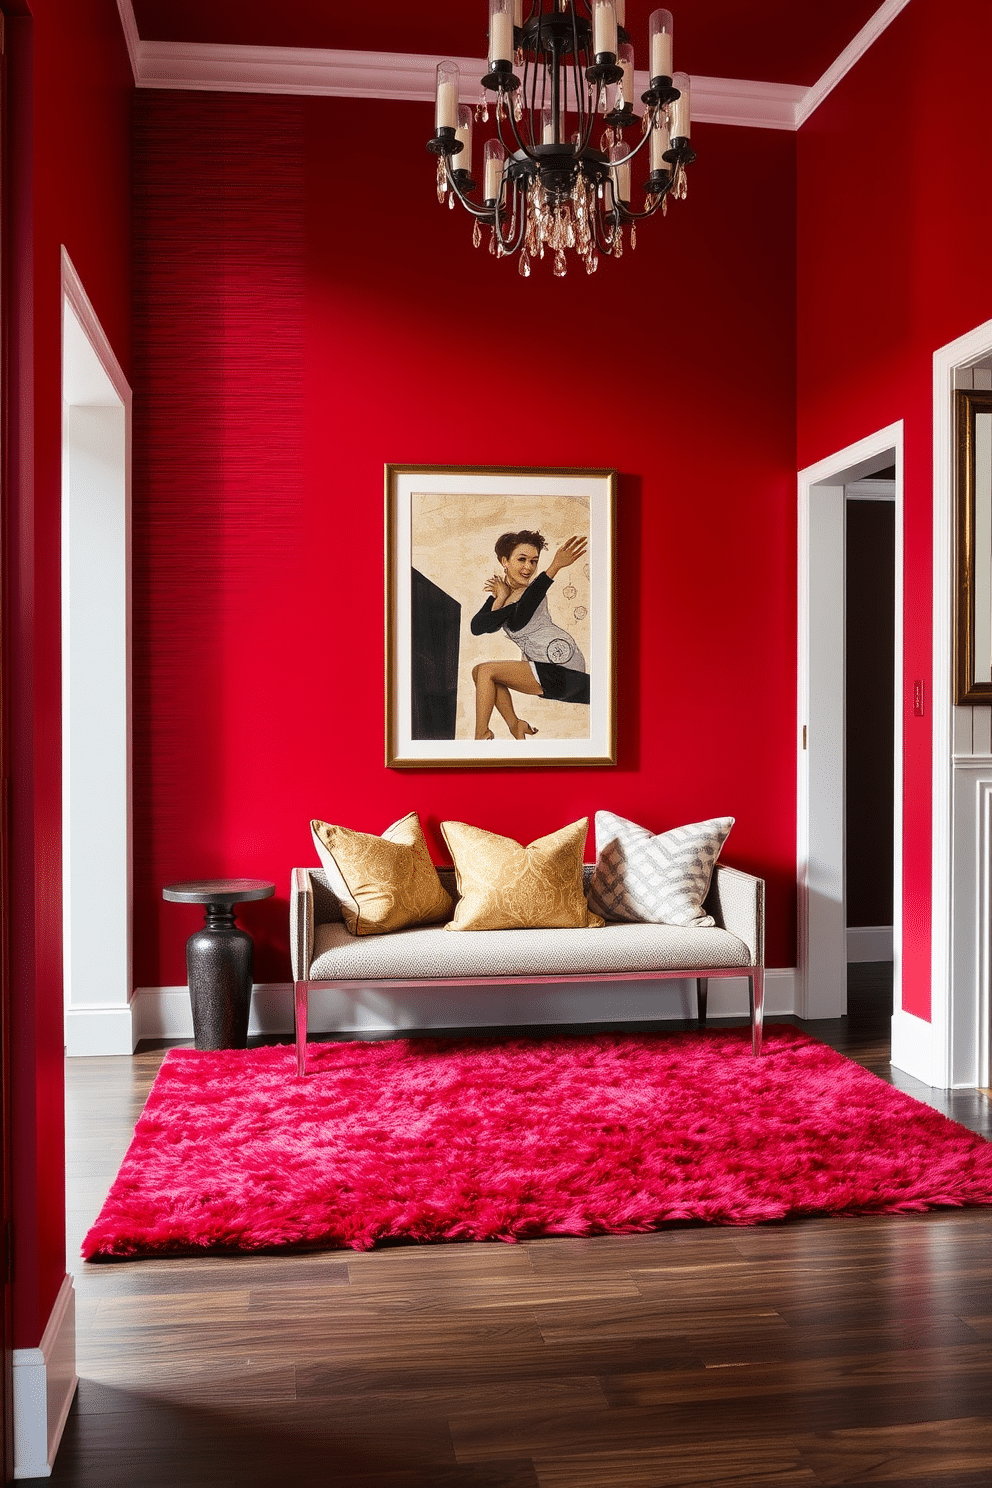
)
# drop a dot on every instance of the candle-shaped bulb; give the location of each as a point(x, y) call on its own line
point(518, 12)
point(620, 6)
point(604, 28)
point(660, 33)
point(625, 57)
point(463, 160)
point(446, 110)
point(660, 142)
point(500, 31)
point(680, 122)
point(547, 127)
point(620, 165)
point(494, 159)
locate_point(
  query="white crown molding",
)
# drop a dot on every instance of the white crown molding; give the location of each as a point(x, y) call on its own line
point(866, 37)
point(131, 37)
point(752, 105)
point(410, 78)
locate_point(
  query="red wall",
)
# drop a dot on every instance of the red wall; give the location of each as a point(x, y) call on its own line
point(70, 87)
point(284, 354)
point(894, 217)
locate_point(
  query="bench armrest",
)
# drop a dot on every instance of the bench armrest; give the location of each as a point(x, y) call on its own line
point(736, 901)
point(301, 923)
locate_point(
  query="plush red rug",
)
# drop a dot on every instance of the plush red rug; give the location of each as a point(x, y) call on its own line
point(484, 1139)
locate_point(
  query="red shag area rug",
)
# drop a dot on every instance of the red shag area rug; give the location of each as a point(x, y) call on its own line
point(485, 1139)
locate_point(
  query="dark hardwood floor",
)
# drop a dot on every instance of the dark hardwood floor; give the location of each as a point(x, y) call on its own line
point(822, 1351)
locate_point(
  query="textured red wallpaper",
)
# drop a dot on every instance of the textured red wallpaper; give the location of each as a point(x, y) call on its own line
point(69, 178)
point(285, 352)
point(891, 216)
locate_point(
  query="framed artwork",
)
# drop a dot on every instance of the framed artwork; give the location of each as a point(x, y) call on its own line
point(499, 617)
point(973, 549)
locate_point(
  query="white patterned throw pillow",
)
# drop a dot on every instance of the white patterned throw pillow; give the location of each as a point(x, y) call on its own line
point(660, 880)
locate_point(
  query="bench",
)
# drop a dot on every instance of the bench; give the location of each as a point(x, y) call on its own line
point(324, 953)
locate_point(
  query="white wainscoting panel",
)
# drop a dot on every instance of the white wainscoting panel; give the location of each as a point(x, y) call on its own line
point(913, 1049)
point(969, 1001)
point(44, 1385)
point(164, 1012)
point(869, 942)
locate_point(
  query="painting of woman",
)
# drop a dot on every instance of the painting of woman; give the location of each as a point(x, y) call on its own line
point(552, 666)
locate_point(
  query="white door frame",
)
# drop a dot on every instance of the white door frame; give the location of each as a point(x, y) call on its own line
point(822, 951)
point(954, 1046)
point(96, 669)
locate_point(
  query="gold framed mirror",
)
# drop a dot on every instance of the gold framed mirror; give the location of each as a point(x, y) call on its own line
point(973, 617)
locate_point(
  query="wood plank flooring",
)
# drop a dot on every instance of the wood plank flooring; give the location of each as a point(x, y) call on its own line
point(814, 1352)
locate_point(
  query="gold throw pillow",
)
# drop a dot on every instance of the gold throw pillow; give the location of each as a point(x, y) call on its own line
point(505, 886)
point(384, 883)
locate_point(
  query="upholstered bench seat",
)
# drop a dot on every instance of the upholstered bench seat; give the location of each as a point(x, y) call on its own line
point(324, 953)
point(431, 952)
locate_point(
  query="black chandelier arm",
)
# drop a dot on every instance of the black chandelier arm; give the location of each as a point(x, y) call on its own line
point(645, 136)
point(593, 116)
point(599, 218)
point(520, 208)
point(520, 145)
point(578, 83)
point(657, 199)
point(485, 213)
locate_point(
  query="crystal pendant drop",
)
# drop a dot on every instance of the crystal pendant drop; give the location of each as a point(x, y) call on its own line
point(442, 183)
point(561, 267)
point(476, 234)
point(451, 201)
point(633, 235)
point(618, 243)
point(524, 269)
point(492, 242)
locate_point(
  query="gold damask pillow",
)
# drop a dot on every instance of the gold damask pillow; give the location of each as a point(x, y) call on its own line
point(504, 886)
point(384, 883)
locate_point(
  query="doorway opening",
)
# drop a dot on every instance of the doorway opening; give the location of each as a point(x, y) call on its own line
point(852, 498)
point(96, 714)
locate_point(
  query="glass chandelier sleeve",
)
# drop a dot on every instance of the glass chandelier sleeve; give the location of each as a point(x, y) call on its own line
point(620, 165)
point(500, 32)
point(625, 57)
point(463, 160)
point(604, 28)
point(660, 142)
point(620, 6)
point(446, 109)
point(494, 160)
point(518, 12)
point(680, 123)
point(660, 34)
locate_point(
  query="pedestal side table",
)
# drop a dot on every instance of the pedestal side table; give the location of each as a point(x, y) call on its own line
point(219, 959)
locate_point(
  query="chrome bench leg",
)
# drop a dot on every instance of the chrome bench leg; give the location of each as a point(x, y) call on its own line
point(300, 1026)
point(756, 993)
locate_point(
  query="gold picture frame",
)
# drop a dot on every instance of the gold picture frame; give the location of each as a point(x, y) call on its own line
point(973, 548)
point(446, 648)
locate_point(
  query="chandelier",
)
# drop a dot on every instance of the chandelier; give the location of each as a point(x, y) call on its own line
point(559, 73)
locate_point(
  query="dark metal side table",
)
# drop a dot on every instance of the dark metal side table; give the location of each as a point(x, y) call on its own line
point(219, 959)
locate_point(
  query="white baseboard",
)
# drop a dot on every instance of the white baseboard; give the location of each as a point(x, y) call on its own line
point(913, 1047)
point(164, 1012)
point(44, 1384)
point(869, 942)
point(106, 1028)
